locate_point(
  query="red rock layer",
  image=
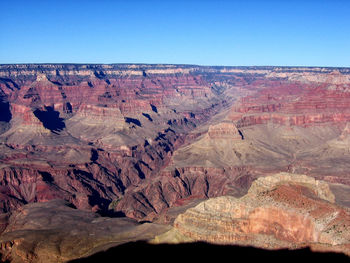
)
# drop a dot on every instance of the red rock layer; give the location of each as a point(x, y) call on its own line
point(40, 164)
point(118, 126)
point(302, 104)
point(281, 211)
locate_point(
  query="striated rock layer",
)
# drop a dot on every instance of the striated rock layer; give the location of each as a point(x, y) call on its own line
point(279, 211)
point(139, 139)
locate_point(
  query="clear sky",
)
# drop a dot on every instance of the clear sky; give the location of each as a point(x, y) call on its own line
point(217, 32)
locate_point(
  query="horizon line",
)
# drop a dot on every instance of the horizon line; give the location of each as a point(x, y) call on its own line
point(173, 64)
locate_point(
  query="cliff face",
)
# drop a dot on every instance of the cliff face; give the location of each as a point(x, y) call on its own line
point(279, 211)
point(140, 138)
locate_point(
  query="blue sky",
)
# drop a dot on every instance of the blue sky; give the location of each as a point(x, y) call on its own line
point(218, 32)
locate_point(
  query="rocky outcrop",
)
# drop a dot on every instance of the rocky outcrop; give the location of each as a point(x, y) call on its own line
point(279, 211)
point(224, 130)
point(319, 188)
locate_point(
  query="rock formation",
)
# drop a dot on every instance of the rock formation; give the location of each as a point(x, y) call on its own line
point(279, 211)
point(100, 133)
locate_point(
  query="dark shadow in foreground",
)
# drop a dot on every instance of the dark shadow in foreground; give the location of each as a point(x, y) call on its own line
point(195, 252)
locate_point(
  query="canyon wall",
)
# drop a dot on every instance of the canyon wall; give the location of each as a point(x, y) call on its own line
point(138, 139)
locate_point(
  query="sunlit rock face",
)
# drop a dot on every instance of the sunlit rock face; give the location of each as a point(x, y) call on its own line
point(279, 211)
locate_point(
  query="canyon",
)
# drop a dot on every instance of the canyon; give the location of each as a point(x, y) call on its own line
point(254, 156)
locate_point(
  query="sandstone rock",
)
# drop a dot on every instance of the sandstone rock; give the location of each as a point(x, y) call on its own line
point(278, 212)
point(320, 188)
point(224, 130)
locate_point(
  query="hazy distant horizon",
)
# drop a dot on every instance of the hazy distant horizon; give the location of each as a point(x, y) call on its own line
point(176, 64)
